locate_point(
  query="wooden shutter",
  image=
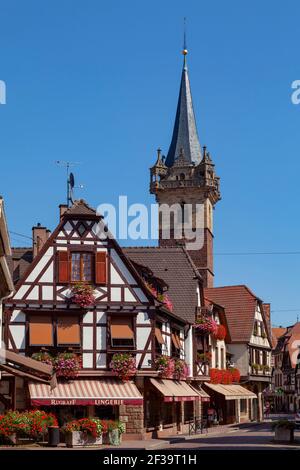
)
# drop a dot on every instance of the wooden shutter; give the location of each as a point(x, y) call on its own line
point(101, 268)
point(63, 266)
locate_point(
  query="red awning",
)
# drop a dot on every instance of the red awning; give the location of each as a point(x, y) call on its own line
point(86, 392)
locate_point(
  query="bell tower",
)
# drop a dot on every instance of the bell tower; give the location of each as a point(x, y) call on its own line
point(187, 177)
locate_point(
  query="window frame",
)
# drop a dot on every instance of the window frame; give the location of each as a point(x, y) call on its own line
point(92, 262)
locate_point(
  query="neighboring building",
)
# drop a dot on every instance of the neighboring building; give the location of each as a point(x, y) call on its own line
point(286, 378)
point(187, 176)
point(250, 344)
point(6, 283)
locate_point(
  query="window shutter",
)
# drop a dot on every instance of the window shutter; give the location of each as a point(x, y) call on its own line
point(101, 268)
point(63, 266)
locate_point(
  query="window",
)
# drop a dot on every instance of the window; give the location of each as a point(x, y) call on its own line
point(188, 411)
point(121, 332)
point(222, 358)
point(159, 340)
point(81, 267)
point(175, 343)
point(217, 358)
point(68, 331)
point(41, 331)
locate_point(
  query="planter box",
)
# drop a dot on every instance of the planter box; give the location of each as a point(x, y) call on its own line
point(284, 435)
point(15, 439)
point(114, 437)
point(81, 439)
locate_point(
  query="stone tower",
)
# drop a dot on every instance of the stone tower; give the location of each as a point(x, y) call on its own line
point(187, 177)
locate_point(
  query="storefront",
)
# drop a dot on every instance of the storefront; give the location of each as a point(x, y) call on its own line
point(229, 403)
point(106, 398)
point(170, 406)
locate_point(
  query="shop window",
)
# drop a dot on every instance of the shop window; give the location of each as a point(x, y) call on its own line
point(243, 406)
point(80, 266)
point(188, 411)
point(168, 413)
point(121, 332)
point(41, 331)
point(68, 331)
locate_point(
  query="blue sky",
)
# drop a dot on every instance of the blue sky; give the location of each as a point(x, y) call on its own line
point(97, 82)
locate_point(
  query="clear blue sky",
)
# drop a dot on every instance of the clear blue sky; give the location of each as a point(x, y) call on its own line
point(97, 82)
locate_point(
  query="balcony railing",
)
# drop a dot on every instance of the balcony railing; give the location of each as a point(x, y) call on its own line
point(201, 369)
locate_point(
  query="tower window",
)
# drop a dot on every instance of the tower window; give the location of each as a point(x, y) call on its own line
point(182, 176)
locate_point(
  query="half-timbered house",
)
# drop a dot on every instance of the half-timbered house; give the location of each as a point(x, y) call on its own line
point(42, 317)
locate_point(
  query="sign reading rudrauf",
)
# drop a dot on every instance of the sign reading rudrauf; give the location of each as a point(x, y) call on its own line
point(83, 402)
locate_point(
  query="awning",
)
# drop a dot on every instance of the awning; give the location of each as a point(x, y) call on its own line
point(86, 392)
point(175, 390)
point(231, 392)
point(203, 395)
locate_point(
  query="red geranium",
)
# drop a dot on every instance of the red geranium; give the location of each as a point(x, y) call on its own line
point(220, 334)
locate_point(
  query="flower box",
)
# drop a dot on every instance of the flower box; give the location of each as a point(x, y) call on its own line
point(82, 439)
point(114, 437)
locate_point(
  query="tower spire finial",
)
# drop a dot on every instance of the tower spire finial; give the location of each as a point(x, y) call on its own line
point(184, 50)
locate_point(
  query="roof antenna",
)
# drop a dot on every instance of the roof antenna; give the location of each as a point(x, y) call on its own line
point(184, 50)
point(70, 179)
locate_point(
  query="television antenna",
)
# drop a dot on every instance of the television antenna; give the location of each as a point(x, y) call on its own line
point(70, 179)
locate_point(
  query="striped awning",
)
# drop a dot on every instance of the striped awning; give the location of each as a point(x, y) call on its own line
point(175, 390)
point(231, 392)
point(203, 395)
point(86, 392)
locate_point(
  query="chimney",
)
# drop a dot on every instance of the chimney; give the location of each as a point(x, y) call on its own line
point(267, 310)
point(62, 209)
point(39, 235)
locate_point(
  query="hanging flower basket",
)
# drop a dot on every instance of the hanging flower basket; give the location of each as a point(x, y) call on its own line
point(220, 334)
point(83, 295)
point(165, 366)
point(206, 325)
point(123, 365)
point(181, 369)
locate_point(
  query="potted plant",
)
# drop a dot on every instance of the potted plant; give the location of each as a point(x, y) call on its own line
point(165, 366)
point(123, 365)
point(204, 357)
point(83, 432)
point(115, 431)
point(83, 295)
point(255, 368)
point(16, 426)
point(284, 430)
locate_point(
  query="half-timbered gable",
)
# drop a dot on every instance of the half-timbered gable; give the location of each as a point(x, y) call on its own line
point(42, 314)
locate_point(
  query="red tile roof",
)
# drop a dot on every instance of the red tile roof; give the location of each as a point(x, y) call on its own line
point(239, 303)
point(276, 333)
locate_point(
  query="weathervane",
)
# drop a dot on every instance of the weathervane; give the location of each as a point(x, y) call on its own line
point(184, 50)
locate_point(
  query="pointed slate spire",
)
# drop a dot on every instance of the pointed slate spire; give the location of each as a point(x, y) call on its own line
point(185, 134)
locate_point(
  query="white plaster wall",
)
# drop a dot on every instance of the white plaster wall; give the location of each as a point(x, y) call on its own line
point(40, 265)
point(101, 337)
point(240, 357)
point(188, 346)
point(143, 318)
point(142, 335)
point(18, 334)
point(87, 335)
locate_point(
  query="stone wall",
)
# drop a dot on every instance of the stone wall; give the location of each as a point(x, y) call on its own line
point(133, 417)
